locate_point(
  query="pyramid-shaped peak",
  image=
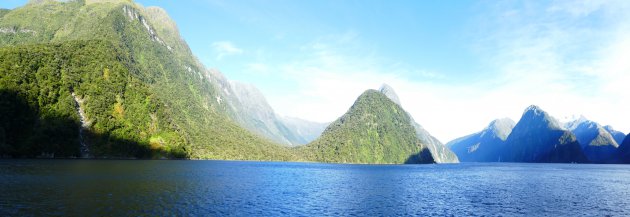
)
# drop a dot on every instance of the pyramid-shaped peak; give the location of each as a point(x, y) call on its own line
point(390, 93)
point(534, 109)
point(534, 113)
point(581, 119)
point(581, 122)
point(500, 127)
point(501, 123)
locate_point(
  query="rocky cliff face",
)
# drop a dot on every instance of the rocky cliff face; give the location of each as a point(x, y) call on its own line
point(440, 153)
point(623, 153)
point(598, 144)
point(143, 90)
point(618, 136)
point(538, 137)
point(483, 146)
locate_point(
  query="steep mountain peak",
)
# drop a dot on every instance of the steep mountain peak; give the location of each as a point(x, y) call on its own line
point(389, 92)
point(483, 146)
point(538, 137)
point(373, 130)
point(617, 135)
point(370, 92)
point(587, 130)
point(610, 128)
point(533, 110)
point(603, 138)
point(598, 144)
point(569, 118)
point(501, 123)
point(439, 152)
point(501, 127)
point(535, 116)
point(581, 122)
point(160, 17)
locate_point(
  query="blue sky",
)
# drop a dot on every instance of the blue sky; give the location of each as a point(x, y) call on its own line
point(456, 65)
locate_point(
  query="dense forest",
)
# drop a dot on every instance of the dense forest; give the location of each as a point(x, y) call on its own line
point(112, 79)
point(123, 113)
point(374, 130)
point(143, 93)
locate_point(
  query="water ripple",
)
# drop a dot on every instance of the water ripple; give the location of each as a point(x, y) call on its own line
point(224, 188)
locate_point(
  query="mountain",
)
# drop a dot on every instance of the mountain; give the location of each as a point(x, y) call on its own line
point(110, 78)
point(440, 153)
point(305, 130)
point(374, 130)
point(483, 146)
point(618, 136)
point(598, 144)
point(624, 150)
point(252, 111)
point(538, 137)
point(390, 93)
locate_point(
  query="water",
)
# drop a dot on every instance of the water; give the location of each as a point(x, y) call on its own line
point(211, 188)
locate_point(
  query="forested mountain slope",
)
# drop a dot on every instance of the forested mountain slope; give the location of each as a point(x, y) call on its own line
point(142, 91)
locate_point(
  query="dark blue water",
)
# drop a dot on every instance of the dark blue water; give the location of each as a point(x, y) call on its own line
point(211, 188)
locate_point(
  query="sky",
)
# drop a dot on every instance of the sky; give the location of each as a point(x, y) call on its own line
point(456, 65)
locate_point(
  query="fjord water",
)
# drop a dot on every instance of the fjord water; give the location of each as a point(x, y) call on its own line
point(210, 188)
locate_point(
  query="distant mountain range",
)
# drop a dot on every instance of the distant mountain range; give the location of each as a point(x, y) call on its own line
point(253, 112)
point(114, 79)
point(538, 137)
point(111, 78)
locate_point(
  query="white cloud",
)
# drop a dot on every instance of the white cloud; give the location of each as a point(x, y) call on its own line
point(570, 57)
point(225, 48)
point(336, 69)
point(552, 55)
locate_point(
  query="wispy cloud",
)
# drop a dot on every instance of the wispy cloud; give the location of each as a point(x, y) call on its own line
point(570, 57)
point(332, 71)
point(225, 48)
point(566, 56)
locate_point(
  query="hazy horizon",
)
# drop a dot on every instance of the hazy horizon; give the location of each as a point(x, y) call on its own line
point(456, 66)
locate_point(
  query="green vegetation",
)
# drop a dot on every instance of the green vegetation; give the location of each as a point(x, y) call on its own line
point(143, 95)
point(374, 130)
point(119, 107)
point(3, 12)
